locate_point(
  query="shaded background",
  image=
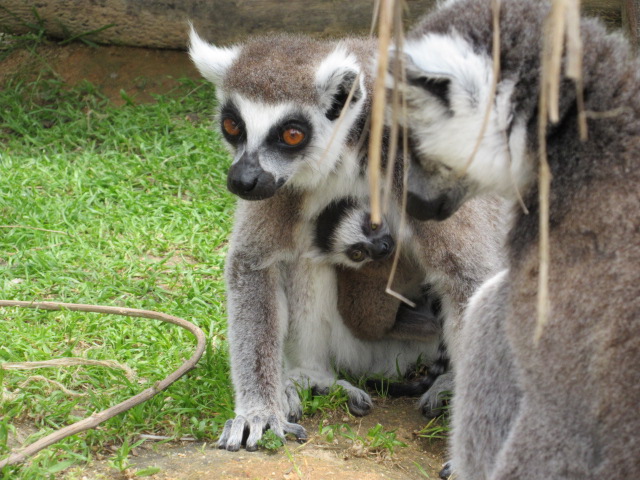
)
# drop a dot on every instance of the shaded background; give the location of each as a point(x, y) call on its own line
point(162, 23)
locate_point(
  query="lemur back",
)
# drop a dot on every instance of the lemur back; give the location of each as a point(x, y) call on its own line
point(574, 390)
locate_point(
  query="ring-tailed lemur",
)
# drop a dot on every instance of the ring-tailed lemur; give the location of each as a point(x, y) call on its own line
point(280, 100)
point(566, 403)
point(345, 236)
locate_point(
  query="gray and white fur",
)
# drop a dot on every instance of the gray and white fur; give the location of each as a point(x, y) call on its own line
point(280, 98)
point(566, 405)
point(345, 236)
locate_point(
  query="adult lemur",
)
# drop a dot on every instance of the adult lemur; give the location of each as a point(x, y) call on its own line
point(280, 100)
point(564, 405)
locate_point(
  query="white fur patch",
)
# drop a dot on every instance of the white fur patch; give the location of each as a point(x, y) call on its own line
point(450, 136)
point(350, 229)
point(331, 71)
point(452, 56)
point(212, 62)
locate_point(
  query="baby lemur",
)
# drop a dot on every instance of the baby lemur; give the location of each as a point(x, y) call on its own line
point(345, 237)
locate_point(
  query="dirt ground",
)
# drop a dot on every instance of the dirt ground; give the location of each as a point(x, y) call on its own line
point(140, 73)
point(316, 459)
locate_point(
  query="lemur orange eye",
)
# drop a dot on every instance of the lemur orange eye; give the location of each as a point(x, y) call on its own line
point(292, 136)
point(231, 127)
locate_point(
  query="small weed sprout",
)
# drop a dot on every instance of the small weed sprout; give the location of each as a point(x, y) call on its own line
point(120, 461)
point(436, 429)
point(270, 441)
point(380, 440)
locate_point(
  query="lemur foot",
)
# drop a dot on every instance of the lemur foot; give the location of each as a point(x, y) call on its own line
point(292, 401)
point(360, 402)
point(432, 403)
point(248, 430)
point(447, 471)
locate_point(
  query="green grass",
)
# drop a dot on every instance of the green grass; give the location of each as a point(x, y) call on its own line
point(437, 428)
point(376, 441)
point(116, 206)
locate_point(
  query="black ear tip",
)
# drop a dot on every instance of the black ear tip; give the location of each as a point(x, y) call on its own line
point(348, 78)
point(347, 83)
point(438, 86)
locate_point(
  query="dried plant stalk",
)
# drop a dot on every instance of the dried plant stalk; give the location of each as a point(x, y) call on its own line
point(552, 61)
point(397, 70)
point(403, 203)
point(58, 385)
point(563, 23)
point(27, 227)
point(574, 60)
point(544, 180)
point(398, 73)
point(69, 362)
point(495, 53)
point(377, 107)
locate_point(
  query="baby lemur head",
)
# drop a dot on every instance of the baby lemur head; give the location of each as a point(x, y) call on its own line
point(344, 235)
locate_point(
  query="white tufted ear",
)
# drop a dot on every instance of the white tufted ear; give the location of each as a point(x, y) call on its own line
point(447, 68)
point(212, 62)
point(435, 84)
point(334, 79)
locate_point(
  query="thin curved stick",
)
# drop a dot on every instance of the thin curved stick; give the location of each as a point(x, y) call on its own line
point(98, 418)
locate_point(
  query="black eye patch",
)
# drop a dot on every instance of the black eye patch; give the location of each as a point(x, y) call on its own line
point(230, 113)
point(278, 134)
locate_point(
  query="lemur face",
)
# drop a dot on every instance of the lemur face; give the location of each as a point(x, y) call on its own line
point(280, 98)
point(447, 91)
point(344, 235)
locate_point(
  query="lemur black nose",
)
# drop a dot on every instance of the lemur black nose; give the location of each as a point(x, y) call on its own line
point(241, 186)
point(248, 180)
point(438, 208)
point(382, 248)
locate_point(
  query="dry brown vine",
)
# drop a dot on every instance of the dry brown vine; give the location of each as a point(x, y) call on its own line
point(98, 418)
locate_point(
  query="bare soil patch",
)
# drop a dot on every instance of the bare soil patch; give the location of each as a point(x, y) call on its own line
point(316, 459)
point(139, 72)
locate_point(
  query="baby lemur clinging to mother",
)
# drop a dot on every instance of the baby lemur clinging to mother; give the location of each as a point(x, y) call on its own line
point(345, 237)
